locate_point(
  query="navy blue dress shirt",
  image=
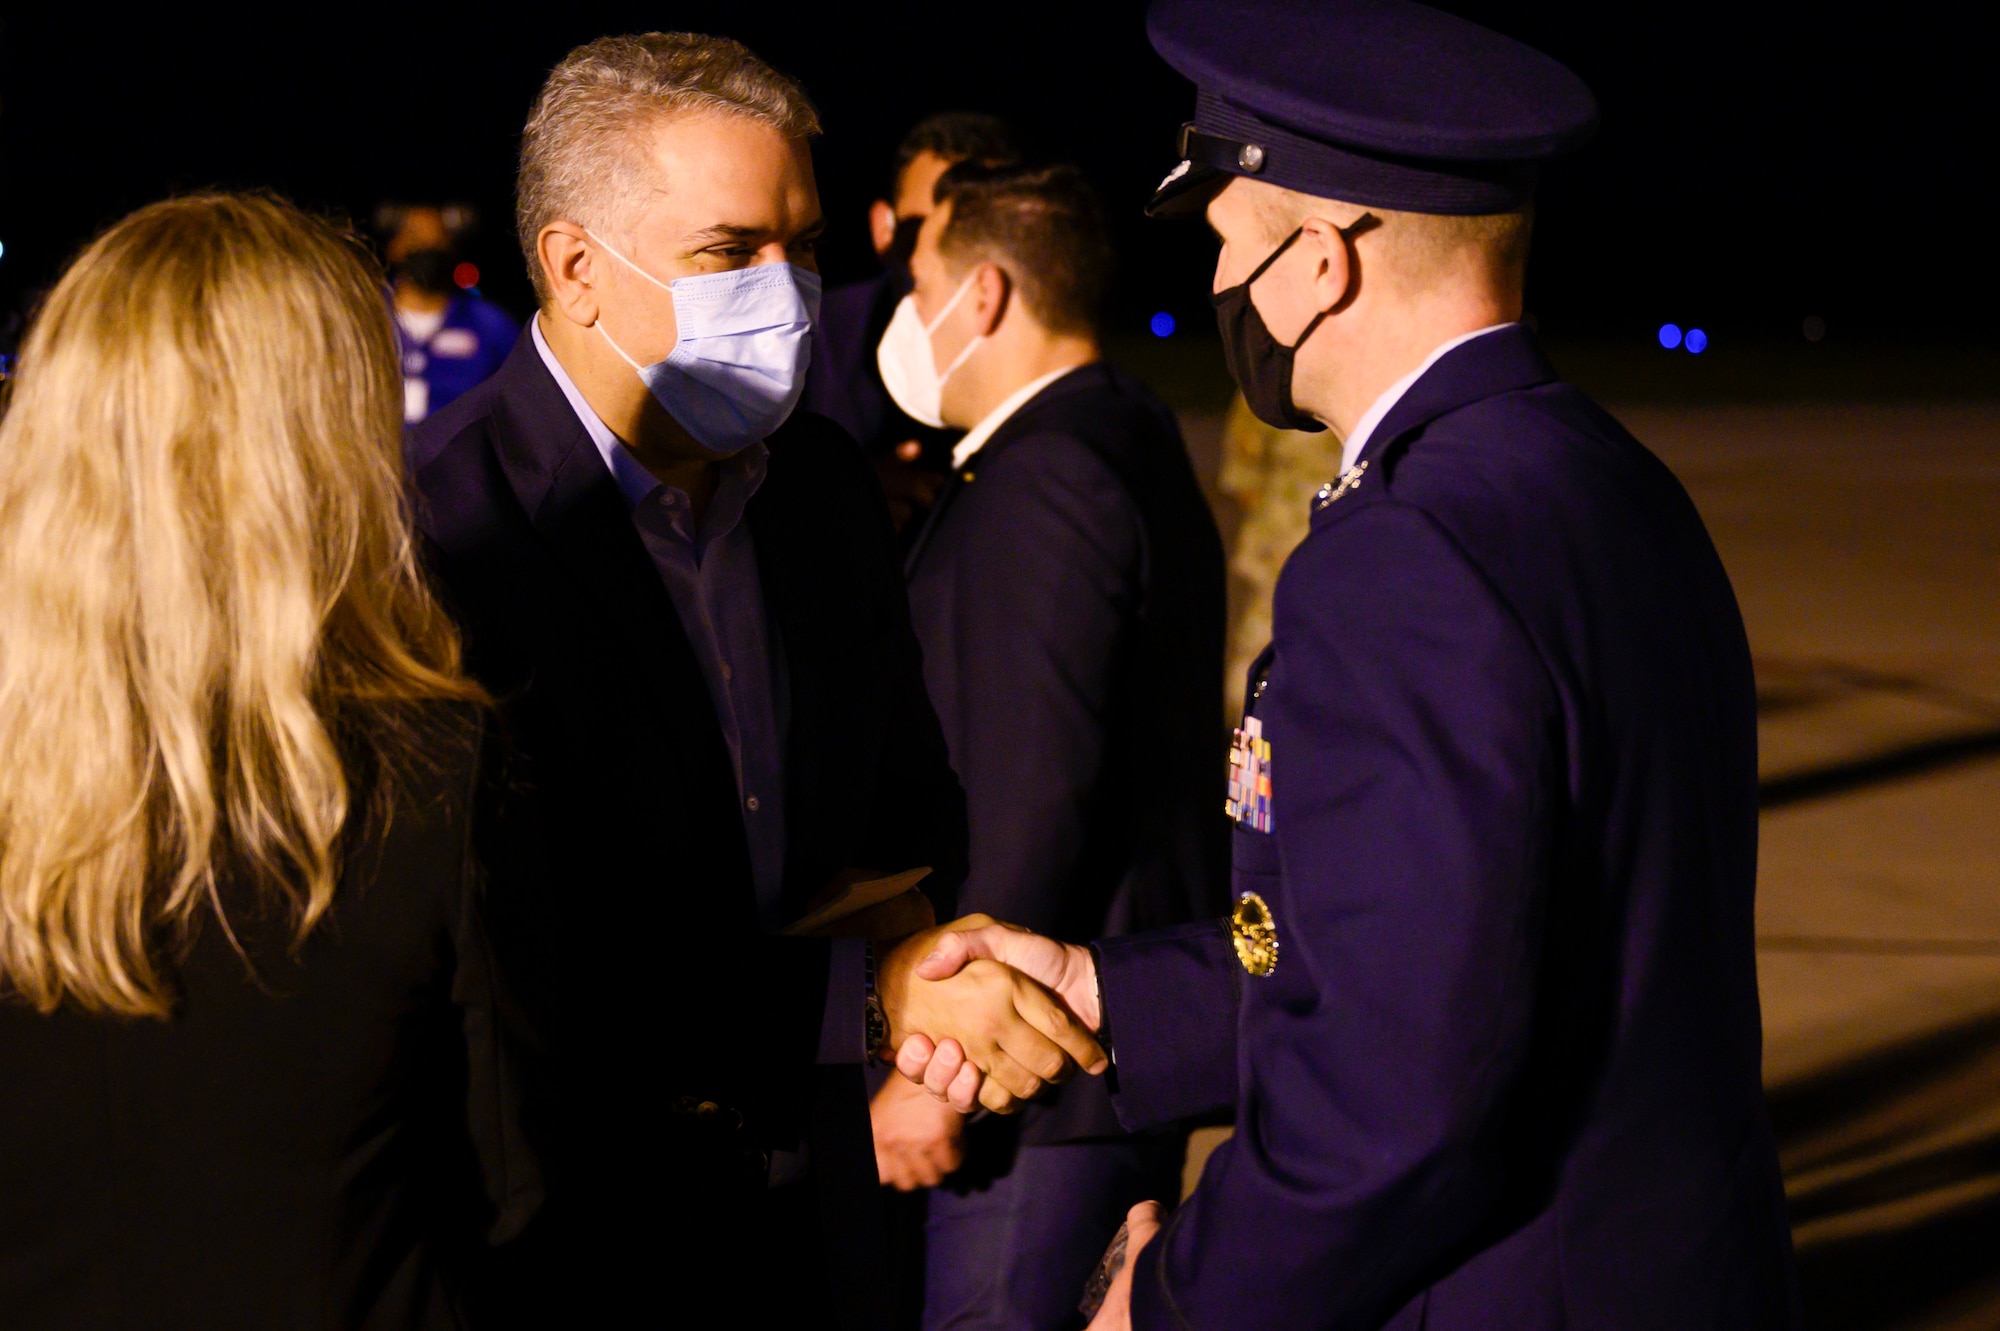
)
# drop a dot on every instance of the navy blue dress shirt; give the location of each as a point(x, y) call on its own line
point(710, 573)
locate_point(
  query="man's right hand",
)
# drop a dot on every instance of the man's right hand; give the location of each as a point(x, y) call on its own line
point(938, 1062)
point(1015, 1033)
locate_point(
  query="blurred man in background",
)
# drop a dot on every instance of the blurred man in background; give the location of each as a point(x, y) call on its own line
point(451, 336)
point(1067, 590)
point(911, 457)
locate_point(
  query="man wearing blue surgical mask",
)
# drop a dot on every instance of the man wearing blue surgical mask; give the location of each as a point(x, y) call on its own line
point(685, 595)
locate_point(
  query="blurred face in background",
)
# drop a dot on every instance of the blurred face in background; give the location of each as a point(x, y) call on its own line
point(420, 229)
point(420, 256)
point(891, 221)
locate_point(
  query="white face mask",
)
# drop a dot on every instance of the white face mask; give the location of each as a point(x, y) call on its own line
point(909, 366)
point(740, 364)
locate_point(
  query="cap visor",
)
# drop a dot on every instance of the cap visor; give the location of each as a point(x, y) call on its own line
point(1188, 193)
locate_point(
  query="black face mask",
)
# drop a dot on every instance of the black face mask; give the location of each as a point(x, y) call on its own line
point(1260, 364)
point(429, 270)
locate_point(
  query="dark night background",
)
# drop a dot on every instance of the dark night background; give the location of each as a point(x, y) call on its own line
point(1759, 163)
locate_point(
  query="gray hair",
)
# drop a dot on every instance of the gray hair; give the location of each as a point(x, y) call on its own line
point(578, 155)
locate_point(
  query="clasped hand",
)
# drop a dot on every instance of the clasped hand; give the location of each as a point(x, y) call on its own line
point(984, 1014)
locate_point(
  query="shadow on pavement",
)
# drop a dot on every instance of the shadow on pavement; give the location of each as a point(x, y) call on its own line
point(1892, 1169)
point(1895, 765)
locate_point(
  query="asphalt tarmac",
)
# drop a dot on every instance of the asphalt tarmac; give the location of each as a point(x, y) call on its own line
point(1864, 544)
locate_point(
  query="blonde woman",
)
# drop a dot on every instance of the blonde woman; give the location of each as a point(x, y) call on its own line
point(246, 1015)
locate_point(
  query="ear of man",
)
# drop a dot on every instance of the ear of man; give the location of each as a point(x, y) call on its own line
point(1330, 274)
point(568, 270)
point(991, 297)
point(881, 226)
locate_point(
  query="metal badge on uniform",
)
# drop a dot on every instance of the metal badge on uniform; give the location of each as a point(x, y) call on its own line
point(1249, 801)
point(1332, 491)
point(1255, 934)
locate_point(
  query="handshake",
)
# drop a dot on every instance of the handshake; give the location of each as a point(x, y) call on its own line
point(982, 1013)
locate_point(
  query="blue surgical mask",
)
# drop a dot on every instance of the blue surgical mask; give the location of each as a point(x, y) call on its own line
point(745, 341)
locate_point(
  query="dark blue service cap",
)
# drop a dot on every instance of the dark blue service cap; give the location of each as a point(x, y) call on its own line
point(1383, 103)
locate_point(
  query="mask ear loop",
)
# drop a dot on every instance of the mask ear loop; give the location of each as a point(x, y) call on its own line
point(934, 324)
point(599, 323)
point(951, 304)
point(599, 326)
point(664, 286)
point(1272, 257)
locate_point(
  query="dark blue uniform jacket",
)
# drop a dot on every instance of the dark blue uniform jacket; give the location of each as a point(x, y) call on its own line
point(642, 954)
point(1067, 591)
point(1506, 1072)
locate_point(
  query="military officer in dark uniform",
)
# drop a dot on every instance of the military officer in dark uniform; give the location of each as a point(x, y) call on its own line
point(1487, 1011)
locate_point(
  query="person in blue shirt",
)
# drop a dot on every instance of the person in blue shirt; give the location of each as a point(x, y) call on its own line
point(452, 338)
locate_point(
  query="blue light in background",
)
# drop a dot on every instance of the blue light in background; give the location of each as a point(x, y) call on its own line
point(1670, 336)
point(1697, 341)
point(1162, 324)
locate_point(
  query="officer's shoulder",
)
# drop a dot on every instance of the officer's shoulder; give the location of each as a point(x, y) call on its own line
point(1503, 473)
point(1517, 457)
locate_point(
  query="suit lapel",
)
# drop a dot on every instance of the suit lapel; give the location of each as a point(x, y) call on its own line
point(580, 516)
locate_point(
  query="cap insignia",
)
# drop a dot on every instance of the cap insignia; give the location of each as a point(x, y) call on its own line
point(1255, 935)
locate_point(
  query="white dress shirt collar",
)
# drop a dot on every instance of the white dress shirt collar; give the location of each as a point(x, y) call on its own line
point(1357, 438)
point(975, 438)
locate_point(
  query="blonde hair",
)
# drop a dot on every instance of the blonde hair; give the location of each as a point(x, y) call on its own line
point(580, 155)
point(209, 601)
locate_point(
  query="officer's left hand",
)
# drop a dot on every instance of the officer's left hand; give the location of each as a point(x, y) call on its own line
point(1142, 1222)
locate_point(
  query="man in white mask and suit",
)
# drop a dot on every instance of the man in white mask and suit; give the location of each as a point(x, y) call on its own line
point(685, 598)
point(1068, 592)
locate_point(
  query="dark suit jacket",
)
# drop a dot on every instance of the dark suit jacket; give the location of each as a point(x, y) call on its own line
point(1068, 594)
point(642, 950)
point(291, 1147)
point(1505, 1075)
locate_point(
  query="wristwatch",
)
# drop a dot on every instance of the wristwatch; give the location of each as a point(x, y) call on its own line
point(874, 1021)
